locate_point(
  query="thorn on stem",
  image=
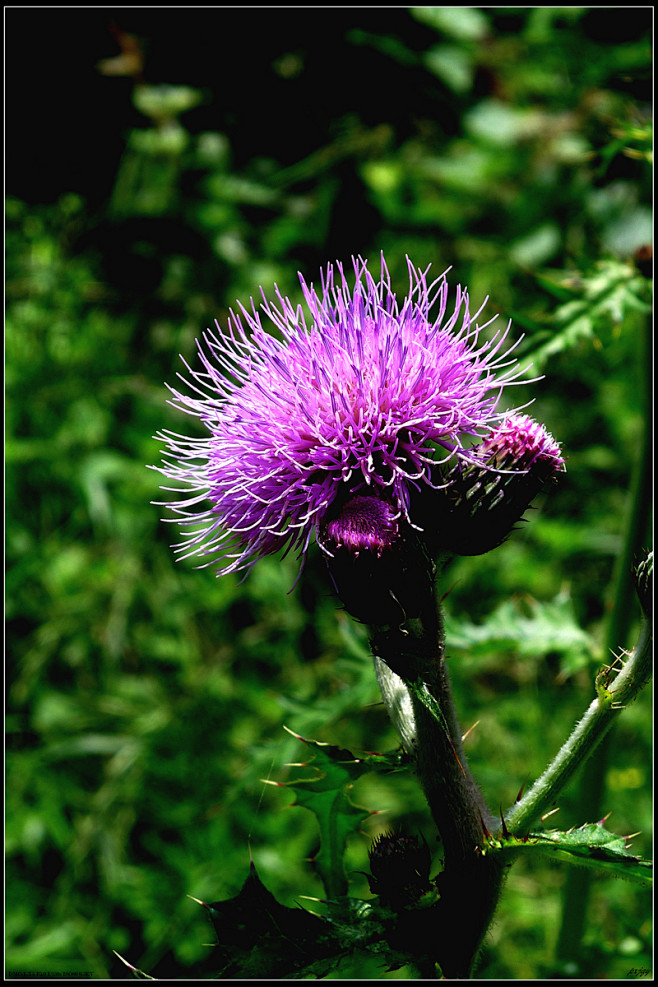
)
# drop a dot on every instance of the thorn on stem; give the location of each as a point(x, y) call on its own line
point(198, 901)
point(470, 730)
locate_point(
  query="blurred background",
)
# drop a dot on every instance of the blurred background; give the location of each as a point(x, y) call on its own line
point(159, 165)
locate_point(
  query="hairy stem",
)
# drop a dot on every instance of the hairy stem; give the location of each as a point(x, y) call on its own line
point(614, 692)
point(471, 879)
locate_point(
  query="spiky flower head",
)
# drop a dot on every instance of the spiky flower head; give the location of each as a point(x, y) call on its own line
point(484, 499)
point(353, 395)
point(400, 868)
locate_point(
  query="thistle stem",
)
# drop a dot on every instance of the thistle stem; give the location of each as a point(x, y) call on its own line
point(471, 879)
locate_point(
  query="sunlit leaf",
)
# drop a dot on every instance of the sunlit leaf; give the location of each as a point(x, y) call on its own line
point(591, 845)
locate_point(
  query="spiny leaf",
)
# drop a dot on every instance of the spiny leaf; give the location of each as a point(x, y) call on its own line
point(605, 295)
point(327, 794)
point(591, 845)
point(359, 765)
point(260, 938)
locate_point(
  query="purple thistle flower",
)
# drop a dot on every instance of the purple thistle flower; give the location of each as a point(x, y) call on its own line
point(360, 397)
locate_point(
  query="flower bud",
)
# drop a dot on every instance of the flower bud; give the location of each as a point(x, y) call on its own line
point(400, 868)
point(483, 500)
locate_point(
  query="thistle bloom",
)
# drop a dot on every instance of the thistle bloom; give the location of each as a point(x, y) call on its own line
point(332, 428)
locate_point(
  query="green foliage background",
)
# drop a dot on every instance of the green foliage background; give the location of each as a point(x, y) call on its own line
point(147, 698)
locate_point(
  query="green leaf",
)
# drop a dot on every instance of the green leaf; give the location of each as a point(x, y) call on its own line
point(327, 794)
point(528, 627)
point(590, 845)
point(355, 766)
point(461, 23)
point(606, 295)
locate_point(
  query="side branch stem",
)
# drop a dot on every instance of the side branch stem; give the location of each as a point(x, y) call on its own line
point(612, 697)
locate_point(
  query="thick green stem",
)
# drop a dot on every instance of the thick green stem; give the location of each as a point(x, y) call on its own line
point(470, 882)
